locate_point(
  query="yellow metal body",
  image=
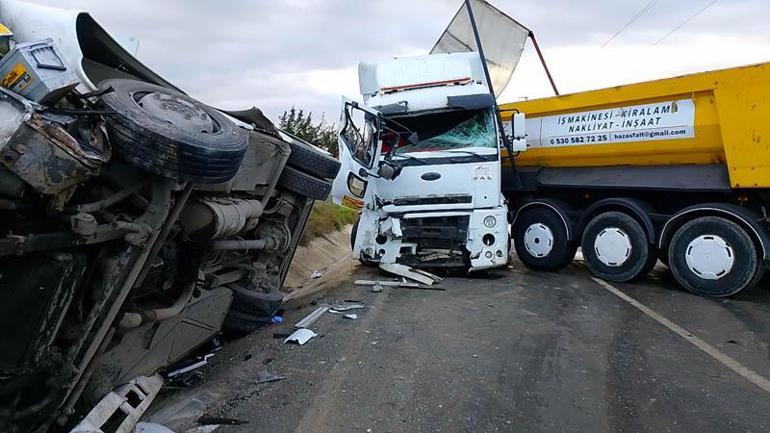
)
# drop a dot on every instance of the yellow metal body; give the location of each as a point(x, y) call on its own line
point(732, 125)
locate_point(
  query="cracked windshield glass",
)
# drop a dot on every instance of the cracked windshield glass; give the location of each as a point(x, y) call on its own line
point(448, 130)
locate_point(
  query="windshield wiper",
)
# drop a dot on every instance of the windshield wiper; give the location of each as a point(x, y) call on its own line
point(468, 152)
point(410, 157)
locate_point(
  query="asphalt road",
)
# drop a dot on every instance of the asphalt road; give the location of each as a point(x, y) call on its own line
point(515, 351)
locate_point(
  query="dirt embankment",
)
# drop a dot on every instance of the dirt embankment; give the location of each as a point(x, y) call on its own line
point(329, 255)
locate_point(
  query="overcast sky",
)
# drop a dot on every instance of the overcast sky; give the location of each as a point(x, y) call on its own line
point(276, 54)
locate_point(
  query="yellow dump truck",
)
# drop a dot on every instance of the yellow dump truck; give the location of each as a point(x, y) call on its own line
point(675, 169)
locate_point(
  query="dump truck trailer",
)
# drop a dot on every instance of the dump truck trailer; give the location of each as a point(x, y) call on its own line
point(675, 169)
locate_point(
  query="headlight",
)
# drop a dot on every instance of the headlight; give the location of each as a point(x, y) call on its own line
point(490, 222)
point(356, 185)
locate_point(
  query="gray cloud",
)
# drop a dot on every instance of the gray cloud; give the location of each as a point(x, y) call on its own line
point(237, 53)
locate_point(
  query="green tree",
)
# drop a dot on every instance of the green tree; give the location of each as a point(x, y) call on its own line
point(321, 134)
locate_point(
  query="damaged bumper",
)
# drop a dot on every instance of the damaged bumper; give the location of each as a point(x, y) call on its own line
point(473, 239)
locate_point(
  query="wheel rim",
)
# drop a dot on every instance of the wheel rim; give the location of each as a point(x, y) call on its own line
point(612, 246)
point(710, 257)
point(538, 240)
point(176, 111)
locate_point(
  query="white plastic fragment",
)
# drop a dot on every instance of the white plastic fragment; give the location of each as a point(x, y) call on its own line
point(300, 336)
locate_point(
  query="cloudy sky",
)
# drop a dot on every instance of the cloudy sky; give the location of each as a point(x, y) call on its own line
point(281, 53)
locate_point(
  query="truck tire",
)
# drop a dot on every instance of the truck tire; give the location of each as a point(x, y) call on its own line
point(615, 248)
point(713, 256)
point(362, 259)
point(254, 301)
point(304, 184)
point(238, 324)
point(541, 241)
point(312, 160)
point(168, 133)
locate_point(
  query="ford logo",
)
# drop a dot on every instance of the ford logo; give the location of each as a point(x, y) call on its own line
point(430, 176)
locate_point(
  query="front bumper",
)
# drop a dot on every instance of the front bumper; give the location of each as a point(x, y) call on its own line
point(438, 239)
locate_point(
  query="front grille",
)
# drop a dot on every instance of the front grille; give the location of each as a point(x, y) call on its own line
point(443, 232)
point(416, 201)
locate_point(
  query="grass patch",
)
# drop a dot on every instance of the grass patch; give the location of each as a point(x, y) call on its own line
point(326, 218)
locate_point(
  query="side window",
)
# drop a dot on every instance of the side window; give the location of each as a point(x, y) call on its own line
point(360, 134)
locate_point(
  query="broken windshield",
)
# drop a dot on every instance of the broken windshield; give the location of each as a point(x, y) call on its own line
point(448, 130)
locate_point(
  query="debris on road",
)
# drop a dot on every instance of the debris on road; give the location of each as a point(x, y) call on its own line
point(142, 389)
point(150, 427)
point(265, 376)
point(352, 316)
point(413, 274)
point(300, 336)
point(386, 283)
point(216, 420)
point(311, 318)
point(316, 275)
point(339, 308)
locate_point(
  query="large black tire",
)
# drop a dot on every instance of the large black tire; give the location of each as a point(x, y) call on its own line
point(304, 184)
point(166, 132)
point(254, 301)
point(559, 251)
point(620, 231)
point(238, 323)
point(364, 261)
point(746, 269)
point(310, 159)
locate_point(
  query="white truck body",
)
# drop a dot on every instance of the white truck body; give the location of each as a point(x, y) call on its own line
point(432, 199)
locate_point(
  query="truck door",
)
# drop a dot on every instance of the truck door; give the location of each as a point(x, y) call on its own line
point(359, 150)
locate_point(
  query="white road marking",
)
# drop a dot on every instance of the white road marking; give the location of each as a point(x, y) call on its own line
point(710, 350)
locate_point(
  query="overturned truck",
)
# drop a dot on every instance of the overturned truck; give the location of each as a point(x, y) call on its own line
point(136, 223)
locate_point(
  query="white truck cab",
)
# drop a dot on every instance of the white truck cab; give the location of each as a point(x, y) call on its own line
point(421, 161)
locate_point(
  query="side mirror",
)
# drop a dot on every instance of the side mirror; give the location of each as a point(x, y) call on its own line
point(388, 171)
point(363, 173)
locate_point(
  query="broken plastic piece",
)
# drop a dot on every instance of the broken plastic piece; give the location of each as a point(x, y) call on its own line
point(315, 275)
point(300, 336)
point(352, 316)
point(150, 427)
point(342, 307)
point(265, 376)
point(311, 318)
point(411, 273)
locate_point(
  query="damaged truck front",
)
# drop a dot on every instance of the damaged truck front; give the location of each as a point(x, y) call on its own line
point(136, 223)
point(420, 159)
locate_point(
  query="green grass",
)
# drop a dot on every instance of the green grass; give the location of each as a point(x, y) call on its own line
point(326, 218)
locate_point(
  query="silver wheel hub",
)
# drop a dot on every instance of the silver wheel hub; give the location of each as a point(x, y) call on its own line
point(538, 240)
point(612, 246)
point(710, 257)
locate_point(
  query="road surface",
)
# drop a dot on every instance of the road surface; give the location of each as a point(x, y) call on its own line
point(514, 351)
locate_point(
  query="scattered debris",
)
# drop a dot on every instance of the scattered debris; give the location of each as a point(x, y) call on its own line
point(265, 376)
point(311, 318)
point(377, 288)
point(181, 414)
point(210, 420)
point(203, 428)
point(386, 283)
point(300, 336)
point(151, 427)
point(188, 366)
point(140, 392)
point(342, 307)
point(351, 316)
point(411, 273)
point(316, 275)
